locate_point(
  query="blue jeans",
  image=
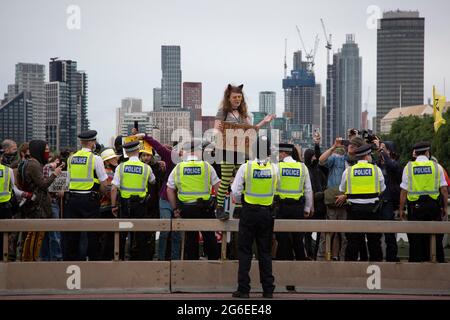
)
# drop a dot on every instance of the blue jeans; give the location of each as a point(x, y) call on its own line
point(51, 245)
point(165, 212)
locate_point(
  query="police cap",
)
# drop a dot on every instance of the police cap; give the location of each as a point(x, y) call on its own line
point(131, 146)
point(287, 147)
point(363, 150)
point(193, 145)
point(88, 135)
point(422, 146)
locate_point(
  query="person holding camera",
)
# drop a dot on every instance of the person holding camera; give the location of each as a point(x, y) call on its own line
point(337, 159)
point(392, 172)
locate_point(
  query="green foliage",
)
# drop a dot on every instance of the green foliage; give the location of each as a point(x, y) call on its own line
point(407, 131)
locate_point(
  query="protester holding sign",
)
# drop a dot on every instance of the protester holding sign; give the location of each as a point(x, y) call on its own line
point(233, 110)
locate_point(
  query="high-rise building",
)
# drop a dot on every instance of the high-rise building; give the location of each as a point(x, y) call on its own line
point(168, 120)
point(30, 77)
point(76, 87)
point(58, 112)
point(192, 101)
point(128, 105)
point(171, 76)
point(344, 85)
point(157, 99)
point(349, 86)
point(400, 61)
point(16, 118)
point(300, 95)
point(364, 120)
point(144, 121)
point(267, 102)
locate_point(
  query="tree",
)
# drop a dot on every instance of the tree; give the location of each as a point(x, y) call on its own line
point(407, 131)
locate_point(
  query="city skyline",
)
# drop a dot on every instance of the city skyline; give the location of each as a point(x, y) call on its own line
point(122, 55)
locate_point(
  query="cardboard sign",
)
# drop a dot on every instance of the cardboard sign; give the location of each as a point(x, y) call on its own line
point(237, 137)
point(61, 183)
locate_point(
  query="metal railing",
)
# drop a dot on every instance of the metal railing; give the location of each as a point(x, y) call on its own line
point(139, 225)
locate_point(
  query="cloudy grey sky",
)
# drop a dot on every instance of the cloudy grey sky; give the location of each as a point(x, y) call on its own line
point(119, 44)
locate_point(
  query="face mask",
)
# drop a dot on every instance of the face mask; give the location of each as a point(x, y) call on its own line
point(46, 156)
point(8, 158)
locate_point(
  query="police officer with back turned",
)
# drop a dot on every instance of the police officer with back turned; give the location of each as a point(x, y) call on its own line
point(87, 179)
point(424, 189)
point(131, 179)
point(256, 180)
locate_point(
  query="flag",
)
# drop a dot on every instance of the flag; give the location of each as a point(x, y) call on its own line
point(438, 106)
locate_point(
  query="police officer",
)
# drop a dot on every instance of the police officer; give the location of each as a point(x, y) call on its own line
point(189, 192)
point(131, 179)
point(294, 201)
point(424, 189)
point(7, 186)
point(362, 184)
point(87, 179)
point(256, 180)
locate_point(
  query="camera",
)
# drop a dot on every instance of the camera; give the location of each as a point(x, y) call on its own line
point(369, 137)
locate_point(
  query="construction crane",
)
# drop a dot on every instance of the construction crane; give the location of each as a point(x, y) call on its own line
point(328, 46)
point(285, 61)
point(316, 45)
point(310, 55)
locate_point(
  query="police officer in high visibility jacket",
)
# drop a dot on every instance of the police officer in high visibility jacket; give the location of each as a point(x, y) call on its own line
point(131, 180)
point(424, 189)
point(7, 187)
point(87, 180)
point(362, 184)
point(189, 189)
point(256, 180)
point(294, 201)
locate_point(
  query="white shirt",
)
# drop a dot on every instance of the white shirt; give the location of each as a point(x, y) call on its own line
point(307, 189)
point(404, 184)
point(214, 179)
point(238, 184)
point(116, 178)
point(16, 190)
point(343, 186)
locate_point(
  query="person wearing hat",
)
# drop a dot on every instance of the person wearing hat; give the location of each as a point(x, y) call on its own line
point(189, 189)
point(336, 159)
point(362, 184)
point(87, 179)
point(110, 160)
point(256, 180)
point(130, 182)
point(294, 201)
point(424, 191)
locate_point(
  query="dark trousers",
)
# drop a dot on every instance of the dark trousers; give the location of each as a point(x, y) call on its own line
point(255, 223)
point(387, 213)
point(106, 238)
point(290, 244)
point(356, 241)
point(5, 213)
point(81, 206)
point(140, 242)
point(426, 209)
point(191, 247)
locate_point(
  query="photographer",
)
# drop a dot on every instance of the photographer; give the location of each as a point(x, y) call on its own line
point(337, 159)
point(392, 172)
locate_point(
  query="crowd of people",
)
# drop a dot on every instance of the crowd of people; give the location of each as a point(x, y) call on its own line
point(355, 179)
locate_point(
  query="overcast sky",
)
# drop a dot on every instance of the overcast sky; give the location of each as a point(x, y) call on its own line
point(119, 44)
